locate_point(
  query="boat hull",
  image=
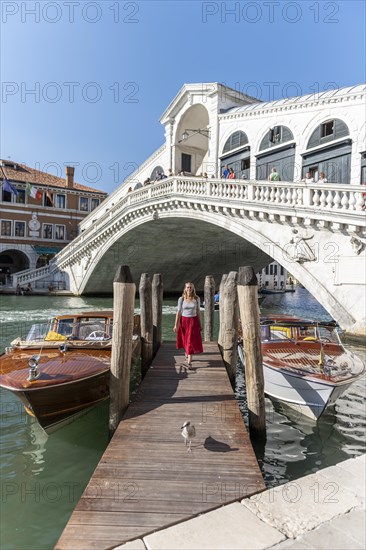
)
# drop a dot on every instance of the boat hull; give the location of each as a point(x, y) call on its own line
point(56, 405)
point(308, 397)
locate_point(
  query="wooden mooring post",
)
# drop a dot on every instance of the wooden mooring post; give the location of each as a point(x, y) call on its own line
point(157, 310)
point(145, 291)
point(124, 290)
point(229, 328)
point(254, 378)
point(209, 292)
point(222, 310)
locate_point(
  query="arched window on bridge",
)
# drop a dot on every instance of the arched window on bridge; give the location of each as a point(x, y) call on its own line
point(323, 155)
point(278, 152)
point(236, 154)
point(157, 170)
point(276, 136)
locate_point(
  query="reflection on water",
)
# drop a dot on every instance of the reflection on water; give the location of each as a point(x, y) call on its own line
point(44, 476)
point(34, 455)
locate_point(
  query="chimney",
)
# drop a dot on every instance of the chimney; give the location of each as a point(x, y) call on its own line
point(70, 176)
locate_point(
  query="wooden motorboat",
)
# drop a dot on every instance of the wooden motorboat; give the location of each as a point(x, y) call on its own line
point(305, 363)
point(60, 370)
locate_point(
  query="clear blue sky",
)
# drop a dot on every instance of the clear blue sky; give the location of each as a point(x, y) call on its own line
point(103, 72)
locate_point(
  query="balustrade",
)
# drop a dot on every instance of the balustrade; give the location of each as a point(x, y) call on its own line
point(335, 197)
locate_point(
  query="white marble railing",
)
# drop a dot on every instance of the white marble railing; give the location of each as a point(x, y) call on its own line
point(244, 194)
point(29, 275)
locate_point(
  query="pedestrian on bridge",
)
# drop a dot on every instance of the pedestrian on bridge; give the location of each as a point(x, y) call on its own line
point(188, 323)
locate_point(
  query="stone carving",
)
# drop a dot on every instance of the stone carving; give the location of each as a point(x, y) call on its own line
point(357, 245)
point(300, 251)
point(34, 224)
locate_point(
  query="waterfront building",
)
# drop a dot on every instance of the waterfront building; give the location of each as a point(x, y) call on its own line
point(273, 277)
point(40, 214)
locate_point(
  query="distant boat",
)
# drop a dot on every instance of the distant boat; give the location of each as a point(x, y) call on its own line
point(62, 369)
point(305, 364)
point(265, 290)
point(217, 304)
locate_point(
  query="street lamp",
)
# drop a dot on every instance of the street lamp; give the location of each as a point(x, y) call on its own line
point(186, 135)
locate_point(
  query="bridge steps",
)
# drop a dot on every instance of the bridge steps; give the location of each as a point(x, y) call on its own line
point(146, 480)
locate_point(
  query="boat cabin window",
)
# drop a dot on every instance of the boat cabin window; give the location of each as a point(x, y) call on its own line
point(95, 328)
point(65, 327)
point(280, 333)
point(327, 334)
point(271, 333)
point(306, 332)
point(265, 333)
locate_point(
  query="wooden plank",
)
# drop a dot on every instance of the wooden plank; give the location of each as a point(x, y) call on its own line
point(146, 480)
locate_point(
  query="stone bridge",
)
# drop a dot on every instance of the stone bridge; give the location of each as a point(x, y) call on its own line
point(186, 228)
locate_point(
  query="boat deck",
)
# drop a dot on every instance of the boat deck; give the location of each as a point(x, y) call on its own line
point(146, 480)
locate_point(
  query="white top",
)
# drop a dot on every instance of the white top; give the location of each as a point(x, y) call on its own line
point(188, 308)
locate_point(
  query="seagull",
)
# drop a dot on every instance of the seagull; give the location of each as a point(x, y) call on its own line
point(188, 432)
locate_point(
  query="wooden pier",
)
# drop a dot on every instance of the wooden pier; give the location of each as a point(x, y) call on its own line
point(146, 480)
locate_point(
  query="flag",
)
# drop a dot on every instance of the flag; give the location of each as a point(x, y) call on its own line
point(10, 188)
point(48, 195)
point(33, 191)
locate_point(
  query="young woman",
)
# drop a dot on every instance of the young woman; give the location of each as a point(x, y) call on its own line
point(231, 175)
point(188, 323)
point(322, 178)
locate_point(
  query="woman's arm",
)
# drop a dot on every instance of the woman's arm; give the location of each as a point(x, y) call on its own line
point(199, 312)
point(178, 315)
point(177, 321)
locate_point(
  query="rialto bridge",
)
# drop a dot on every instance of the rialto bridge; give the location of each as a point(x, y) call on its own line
point(186, 228)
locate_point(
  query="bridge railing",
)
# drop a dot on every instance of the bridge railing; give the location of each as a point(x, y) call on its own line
point(250, 193)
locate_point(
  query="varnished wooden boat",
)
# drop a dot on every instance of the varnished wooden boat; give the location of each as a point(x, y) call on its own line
point(305, 363)
point(62, 369)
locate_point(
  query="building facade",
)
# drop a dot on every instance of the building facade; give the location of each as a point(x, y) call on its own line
point(40, 214)
point(273, 277)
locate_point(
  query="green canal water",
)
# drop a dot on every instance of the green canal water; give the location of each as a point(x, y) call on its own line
point(43, 477)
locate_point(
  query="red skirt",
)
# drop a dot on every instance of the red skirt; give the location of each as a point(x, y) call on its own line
point(189, 335)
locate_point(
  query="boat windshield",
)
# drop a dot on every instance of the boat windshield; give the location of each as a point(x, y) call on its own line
point(306, 333)
point(82, 328)
point(37, 331)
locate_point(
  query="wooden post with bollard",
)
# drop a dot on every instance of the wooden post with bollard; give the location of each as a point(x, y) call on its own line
point(145, 292)
point(209, 292)
point(254, 378)
point(124, 290)
point(157, 310)
point(229, 328)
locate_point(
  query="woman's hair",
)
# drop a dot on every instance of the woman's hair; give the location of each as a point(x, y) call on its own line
point(194, 295)
point(322, 175)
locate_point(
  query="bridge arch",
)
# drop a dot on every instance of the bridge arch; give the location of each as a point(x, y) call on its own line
point(224, 248)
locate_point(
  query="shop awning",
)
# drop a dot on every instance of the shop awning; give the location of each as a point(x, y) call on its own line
point(47, 249)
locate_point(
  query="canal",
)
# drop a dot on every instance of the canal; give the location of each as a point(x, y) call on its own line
point(43, 477)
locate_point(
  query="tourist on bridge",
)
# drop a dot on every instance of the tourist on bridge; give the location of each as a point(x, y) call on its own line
point(322, 178)
point(226, 172)
point(274, 175)
point(188, 323)
point(231, 175)
point(308, 178)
